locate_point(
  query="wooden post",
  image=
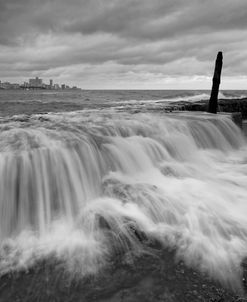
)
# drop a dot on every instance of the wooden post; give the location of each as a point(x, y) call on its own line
point(213, 102)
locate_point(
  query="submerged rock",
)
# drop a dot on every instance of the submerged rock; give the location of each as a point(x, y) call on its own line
point(153, 278)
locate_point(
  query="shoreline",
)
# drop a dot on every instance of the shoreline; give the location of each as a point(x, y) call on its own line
point(125, 279)
point(17, 107)
point(147, 277)
point(224, 105)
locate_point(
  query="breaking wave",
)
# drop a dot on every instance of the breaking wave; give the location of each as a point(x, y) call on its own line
point(82, 186)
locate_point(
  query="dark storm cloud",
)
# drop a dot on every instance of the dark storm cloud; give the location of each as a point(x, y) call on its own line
point(155, 38)
point(160, 19)
point(139, 19)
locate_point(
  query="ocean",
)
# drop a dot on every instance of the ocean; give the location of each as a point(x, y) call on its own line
point(42, 101)
point(84, 176)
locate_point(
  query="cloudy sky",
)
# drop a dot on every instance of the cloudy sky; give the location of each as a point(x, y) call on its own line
point(142, 44)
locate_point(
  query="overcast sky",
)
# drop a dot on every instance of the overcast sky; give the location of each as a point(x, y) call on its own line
point(142, 44)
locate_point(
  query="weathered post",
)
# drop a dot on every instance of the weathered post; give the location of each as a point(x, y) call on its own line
point(213, 102)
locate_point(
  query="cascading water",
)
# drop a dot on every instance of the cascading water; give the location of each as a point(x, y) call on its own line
point(79, 185)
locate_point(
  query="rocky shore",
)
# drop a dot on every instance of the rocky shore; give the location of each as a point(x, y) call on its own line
point(150, 277)
point(147, 277)
point(224, 105)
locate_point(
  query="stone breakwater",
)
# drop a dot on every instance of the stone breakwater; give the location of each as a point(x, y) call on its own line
point(224, 105)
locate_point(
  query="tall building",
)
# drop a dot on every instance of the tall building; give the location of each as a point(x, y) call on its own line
point(51, 83)
point(35, 82)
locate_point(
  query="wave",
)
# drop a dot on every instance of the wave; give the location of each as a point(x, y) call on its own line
point(206, 96)
point(183, 98)
point(82, 186)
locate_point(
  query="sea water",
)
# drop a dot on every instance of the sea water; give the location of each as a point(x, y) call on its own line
point(40, 101)
point(83, 185)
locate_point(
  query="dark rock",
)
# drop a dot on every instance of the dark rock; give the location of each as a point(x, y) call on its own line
point(150, 277)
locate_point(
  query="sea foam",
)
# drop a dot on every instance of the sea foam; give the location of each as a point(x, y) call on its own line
point(82, 186)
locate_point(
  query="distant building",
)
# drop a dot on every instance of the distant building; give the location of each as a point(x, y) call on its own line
point(15, 86)
point(36, 83)
point(8, 85)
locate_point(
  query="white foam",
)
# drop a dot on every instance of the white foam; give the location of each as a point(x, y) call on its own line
point(93, 178)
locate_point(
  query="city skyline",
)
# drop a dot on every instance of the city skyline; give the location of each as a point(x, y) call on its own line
point(35, 83)
point(128, 44)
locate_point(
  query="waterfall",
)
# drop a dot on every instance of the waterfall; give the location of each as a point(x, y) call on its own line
point(81, 185)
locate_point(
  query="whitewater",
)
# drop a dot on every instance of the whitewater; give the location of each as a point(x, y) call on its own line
point(84, 186)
